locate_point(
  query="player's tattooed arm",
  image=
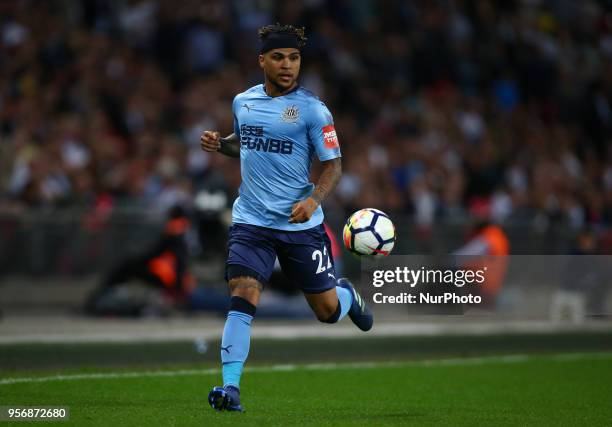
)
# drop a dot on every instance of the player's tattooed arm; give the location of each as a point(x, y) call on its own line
point(212, 141)
point(332, 171)
point(330, 175)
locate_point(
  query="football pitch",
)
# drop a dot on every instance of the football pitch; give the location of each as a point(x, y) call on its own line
point(546, 389)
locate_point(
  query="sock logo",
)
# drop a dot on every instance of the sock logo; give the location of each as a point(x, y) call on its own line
point(226, 348)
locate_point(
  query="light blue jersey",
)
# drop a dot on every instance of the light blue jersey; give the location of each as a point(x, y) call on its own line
point(279, 137)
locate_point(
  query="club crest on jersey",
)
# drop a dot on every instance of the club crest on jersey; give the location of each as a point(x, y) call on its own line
point(291, 114)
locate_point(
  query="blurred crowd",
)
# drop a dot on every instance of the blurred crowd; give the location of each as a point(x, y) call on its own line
point(443, 108)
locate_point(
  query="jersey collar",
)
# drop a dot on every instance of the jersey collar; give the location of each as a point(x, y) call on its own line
point(263, 89)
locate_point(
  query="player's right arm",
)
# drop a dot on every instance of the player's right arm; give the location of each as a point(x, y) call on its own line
point(230, 145)
point(212, 141)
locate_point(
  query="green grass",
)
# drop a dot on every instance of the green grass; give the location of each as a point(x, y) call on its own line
point(79, 356)
point(535, 390)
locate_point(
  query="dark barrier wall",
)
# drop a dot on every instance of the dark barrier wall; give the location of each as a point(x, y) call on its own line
point(72, 243)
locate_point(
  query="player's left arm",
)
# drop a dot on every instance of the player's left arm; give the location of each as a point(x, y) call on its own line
point(322, 134)
point(330, 175)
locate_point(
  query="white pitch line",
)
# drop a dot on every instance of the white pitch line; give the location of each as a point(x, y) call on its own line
point(468, 361)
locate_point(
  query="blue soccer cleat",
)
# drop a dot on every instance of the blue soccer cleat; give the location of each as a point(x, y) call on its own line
point(359, 312)
point(225, 398)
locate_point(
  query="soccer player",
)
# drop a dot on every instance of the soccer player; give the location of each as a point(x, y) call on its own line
point(278, 128)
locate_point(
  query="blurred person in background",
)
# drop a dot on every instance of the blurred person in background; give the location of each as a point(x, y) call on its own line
point(487, 248)
point(164, 267)
point(584, 284)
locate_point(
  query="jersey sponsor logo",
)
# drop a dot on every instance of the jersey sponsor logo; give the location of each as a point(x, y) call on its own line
point(252, 138)
point(329, 137)
point(246, 130)
point(291, 114)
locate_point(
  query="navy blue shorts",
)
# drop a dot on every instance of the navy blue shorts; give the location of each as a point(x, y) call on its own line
point(304, 256)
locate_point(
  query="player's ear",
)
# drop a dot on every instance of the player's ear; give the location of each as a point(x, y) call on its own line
point(261, 61)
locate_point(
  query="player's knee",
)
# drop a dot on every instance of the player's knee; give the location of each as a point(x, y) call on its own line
point(247, 288)
point(328, 313)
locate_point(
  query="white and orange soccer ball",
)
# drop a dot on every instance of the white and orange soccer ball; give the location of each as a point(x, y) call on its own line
point(369, 232)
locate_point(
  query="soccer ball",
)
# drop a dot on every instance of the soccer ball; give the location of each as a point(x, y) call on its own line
point(369, 232)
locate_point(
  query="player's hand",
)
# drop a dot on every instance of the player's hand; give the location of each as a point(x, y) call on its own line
point(210, 141)
point(302, 211)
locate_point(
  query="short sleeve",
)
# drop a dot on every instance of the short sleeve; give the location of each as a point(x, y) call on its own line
point(322, 133)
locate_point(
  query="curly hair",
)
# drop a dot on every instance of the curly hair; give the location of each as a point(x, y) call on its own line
point(298, 32)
